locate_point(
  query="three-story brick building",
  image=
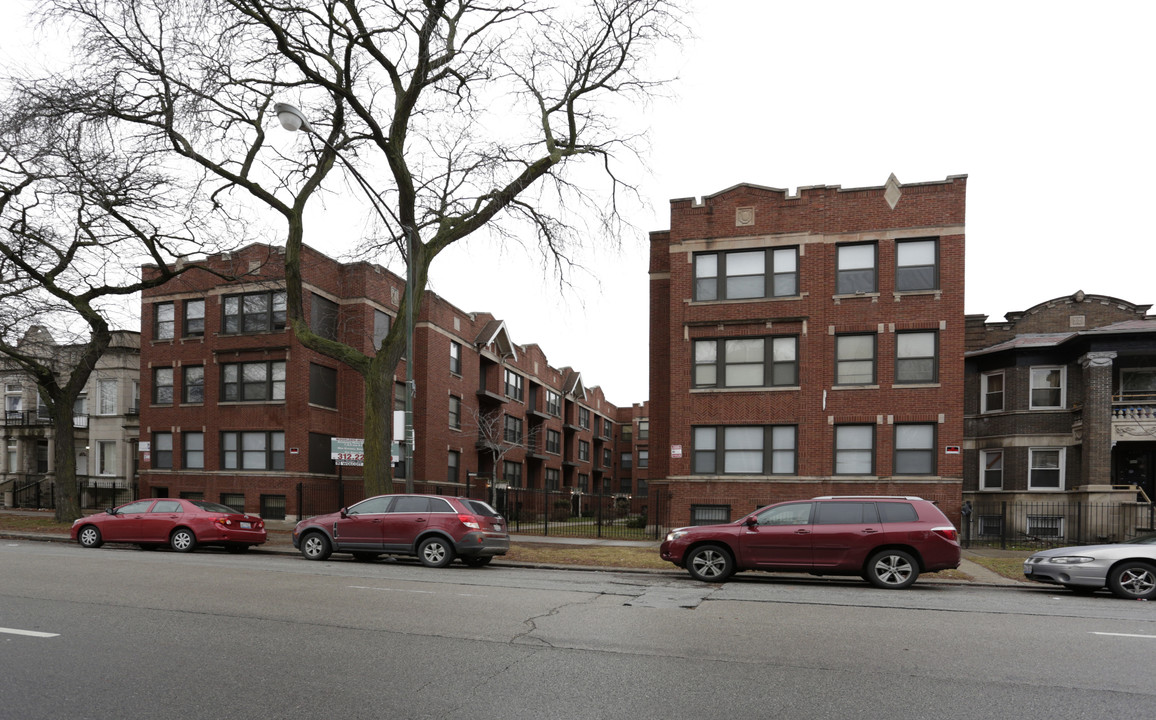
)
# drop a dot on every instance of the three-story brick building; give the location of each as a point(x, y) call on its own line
point(807, 344)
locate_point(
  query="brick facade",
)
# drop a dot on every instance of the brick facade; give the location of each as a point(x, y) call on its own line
point(460, 359)
point(820, 231)
point(1074, 380)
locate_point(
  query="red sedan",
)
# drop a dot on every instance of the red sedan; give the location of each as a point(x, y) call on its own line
point(180, 524)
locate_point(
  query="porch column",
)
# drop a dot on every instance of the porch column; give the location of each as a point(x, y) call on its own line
point(1097, 437)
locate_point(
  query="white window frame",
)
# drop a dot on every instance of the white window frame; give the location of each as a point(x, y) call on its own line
point(983, 463)
point(983, 392)
point(106, 450)
point(1032, 468)
point(1032, 387)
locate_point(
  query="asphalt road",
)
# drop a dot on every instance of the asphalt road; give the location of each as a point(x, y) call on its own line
point(124, 634)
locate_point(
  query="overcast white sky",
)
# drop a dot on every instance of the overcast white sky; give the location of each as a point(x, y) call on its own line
point(1046, 106)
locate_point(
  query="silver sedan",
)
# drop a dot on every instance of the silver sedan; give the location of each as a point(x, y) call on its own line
point(1128, 569)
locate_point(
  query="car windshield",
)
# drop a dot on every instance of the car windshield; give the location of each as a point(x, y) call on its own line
point(1142, 540)
point(215, 507)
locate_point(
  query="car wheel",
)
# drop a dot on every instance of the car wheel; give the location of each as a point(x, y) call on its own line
point(477, 561)
point(1133, 580)
point(89, 537)
point(183, 540)
point(710, 563)
point(892, 569)
point(435, 552)
point(365, 556)
point(315, 546)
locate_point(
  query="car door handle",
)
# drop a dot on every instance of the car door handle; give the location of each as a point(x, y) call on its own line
point(803, 531)
point(869, 531)
point(421, 519)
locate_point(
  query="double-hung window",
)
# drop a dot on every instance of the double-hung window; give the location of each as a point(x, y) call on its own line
point(381, 324)
point(193, 450)
point(323, 316)
point(193, 384)
point(1046, 469)
point(855, 359)
point(583, 451)
point(166, 321)
point(746, 362)
point(513, 430)
point(744, 450)
point(553, 403)
point(854, 450)
point(991, 392)
point(855, 269)
point(163, 386)
point(455, 357)
point(253, 381)
point(163, 450)
point(512, 473)
point(253, 450)
point(916, 357)
point(553, 442)
point(584, 418)
point(746, 274)
point(453, 466)
point(914, 449)
point(515, 385)
point(194, 318)
point(254, 312)
point(1047, 389)
point(455, 412)
point(991, 469)
point(916, 265)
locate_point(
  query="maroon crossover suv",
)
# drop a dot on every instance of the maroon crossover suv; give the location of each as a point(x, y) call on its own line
point(434, 528)
point(885, 540)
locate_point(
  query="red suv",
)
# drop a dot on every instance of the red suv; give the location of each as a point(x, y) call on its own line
point(886, 540)
point(434, 528)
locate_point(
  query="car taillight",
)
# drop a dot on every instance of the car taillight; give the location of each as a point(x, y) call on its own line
point(470, 521)
point(223, 521)
point(946, 532)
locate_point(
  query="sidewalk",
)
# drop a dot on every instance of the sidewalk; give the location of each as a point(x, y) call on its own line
point(281, 543)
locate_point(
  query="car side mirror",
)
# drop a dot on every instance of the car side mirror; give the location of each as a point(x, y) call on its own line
point(752, 521)
point(111, 511)
point(344, 513)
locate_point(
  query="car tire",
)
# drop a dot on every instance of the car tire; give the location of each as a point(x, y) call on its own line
point(89, 537)
point(1133, 580)
point(710, 563)
point(435, 552)
point(183, 540)
point(892, 569)
point(477, 561)
point(315, 546)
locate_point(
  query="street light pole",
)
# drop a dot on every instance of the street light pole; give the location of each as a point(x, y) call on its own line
point(294, 120)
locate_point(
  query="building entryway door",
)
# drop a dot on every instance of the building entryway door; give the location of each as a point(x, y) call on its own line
point(1134, 466)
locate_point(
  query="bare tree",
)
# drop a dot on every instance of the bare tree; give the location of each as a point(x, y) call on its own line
point(499, 440)
point(453, 116)
point(81, 208)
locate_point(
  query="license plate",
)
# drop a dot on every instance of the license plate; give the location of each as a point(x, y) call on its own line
point(246, 526)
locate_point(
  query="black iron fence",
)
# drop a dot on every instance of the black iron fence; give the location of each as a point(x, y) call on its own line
point(528, 511)
point(40, 494)
point(1039, 524)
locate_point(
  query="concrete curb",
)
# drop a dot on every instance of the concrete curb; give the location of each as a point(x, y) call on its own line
point(982, 577)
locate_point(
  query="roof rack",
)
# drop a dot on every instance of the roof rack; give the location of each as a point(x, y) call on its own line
point(867, 497)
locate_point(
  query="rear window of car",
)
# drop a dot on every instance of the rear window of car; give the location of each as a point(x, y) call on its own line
point(411, 504)
point(481, 508)
point(845, 513)
point(167, 506)
point(896, 512)
point(438, 505)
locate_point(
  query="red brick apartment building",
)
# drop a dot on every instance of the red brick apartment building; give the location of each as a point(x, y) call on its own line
point(808, 345)
point(235, 410)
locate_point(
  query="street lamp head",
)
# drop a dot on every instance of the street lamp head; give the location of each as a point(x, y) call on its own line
point(291, 118)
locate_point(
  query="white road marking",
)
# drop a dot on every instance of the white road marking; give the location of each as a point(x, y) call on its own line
point(1146, 637)
point(29, 633)
point(417, 592)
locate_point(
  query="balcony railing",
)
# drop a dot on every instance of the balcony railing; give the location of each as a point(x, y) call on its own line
point(33, 418)
point(1134, 406)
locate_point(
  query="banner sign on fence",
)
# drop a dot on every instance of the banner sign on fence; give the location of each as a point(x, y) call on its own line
point(347, 451)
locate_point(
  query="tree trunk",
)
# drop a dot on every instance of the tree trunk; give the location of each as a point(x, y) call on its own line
point(64, 458)
point(378, 429)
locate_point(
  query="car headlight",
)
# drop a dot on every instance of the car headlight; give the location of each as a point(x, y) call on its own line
point(1071, 559)
point(676, 534)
